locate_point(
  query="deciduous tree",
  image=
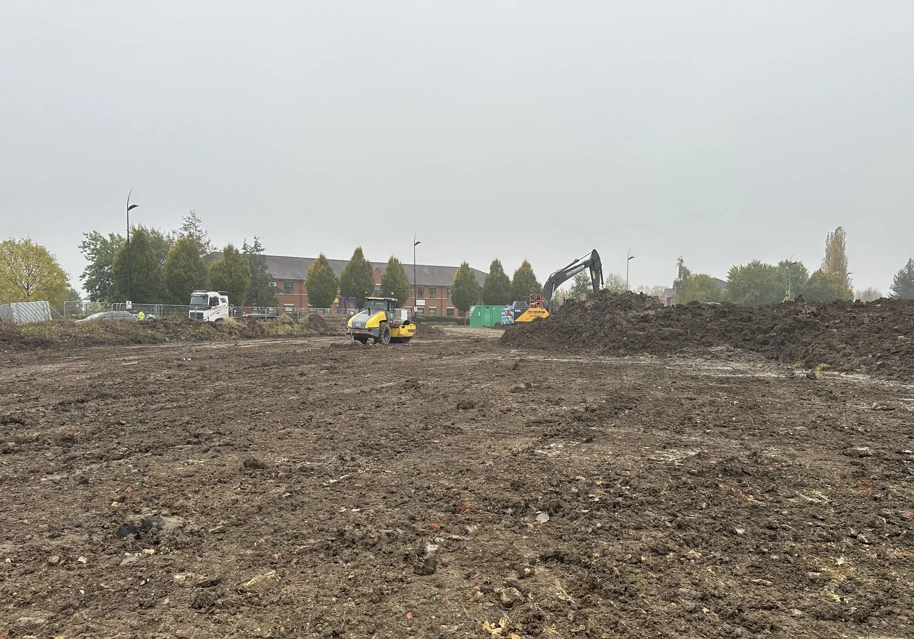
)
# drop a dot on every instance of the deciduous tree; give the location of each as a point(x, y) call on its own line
point(231, 274)
point(691, 287)
point(903, 282)
point(160, 241)
point(465, 290)
point(496, 288)
point(835, 260)
point(99, 251)
point(794, 276)
point(869, 294)
point(524, 282)
point(395, 282)
point(357, 278)
point(29, 273)
point(185, 271)
point(261, 292)
point(146, 273)
point(613, 282)
point(658, 290)
point(581, 286)
point(827, 287)
point(755, 284)
point(192, 227)
point(321, 283)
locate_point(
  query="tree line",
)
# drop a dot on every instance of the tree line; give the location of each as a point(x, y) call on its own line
point(356, 280)
point(165, 267)
point(757, 283)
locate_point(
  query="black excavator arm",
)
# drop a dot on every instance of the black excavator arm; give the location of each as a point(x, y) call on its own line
point(562, 275)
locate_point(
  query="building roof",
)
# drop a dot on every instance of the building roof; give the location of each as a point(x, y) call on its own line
point(283, 267)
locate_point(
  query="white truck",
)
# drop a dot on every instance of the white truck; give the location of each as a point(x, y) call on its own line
point(209, 306)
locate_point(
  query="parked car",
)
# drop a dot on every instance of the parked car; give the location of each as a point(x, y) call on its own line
point(120, 316)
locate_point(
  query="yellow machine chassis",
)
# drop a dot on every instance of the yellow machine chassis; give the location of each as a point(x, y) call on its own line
point(400, 330)
point(533, 313)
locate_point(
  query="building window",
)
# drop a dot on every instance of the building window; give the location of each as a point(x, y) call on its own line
point(273, 284)
point(463, 313)
point(432, 292)
point(449, 292)
point(432, 311)
point(377, 289)
point(420, 291)
point(287, 288)
point(420, 310)
point(289, 308)
point(450, 311)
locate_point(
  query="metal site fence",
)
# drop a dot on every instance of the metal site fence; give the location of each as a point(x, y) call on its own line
point(302, 313)
point(79, 310)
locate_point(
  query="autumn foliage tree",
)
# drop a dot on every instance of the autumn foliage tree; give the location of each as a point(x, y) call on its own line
point(28, 272)
point(835, 261)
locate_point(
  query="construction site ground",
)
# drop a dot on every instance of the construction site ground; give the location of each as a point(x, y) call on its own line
point(458, 486)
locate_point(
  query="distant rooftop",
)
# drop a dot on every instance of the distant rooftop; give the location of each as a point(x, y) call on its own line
point(284, 267)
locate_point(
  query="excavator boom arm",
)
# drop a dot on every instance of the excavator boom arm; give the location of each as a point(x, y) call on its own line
point(591, 262)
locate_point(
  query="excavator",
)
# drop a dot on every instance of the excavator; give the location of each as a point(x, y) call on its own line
point(538, 306)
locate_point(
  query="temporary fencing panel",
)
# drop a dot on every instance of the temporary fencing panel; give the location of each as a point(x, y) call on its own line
point(25, 312)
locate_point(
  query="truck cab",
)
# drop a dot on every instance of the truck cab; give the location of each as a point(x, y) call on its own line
point(209, 306)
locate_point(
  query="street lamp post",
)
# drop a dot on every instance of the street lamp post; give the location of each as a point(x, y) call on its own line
point(415, 283)
point(129, 206)
point(627, 261)
point(789, 274)
point(790, 265)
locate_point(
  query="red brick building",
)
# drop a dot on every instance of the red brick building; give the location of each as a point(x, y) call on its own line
point(432, 288)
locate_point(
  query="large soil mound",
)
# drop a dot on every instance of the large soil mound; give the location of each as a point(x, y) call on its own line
point(875, 338)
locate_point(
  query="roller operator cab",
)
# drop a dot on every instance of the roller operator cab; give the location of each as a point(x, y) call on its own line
point(378, 322)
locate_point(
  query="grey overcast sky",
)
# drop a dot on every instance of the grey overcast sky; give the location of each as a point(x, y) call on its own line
point(719, 131)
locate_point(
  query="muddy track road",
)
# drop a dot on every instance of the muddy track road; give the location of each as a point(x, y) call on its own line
point(448, 488)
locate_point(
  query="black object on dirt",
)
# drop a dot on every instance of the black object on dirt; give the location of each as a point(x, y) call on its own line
point(125, 531)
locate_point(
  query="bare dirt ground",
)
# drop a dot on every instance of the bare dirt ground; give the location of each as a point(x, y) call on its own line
point(452, 487)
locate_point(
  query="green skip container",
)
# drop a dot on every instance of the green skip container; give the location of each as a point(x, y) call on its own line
point(486, 315)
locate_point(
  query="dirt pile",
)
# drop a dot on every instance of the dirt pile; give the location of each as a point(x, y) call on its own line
point(428, 331)
point(66, 333)
point(875, 338)
point(318, 324)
